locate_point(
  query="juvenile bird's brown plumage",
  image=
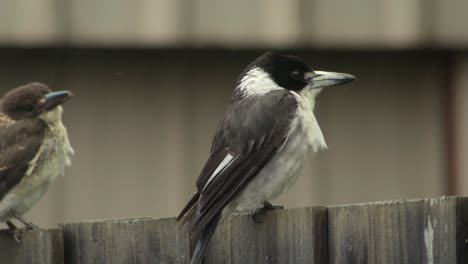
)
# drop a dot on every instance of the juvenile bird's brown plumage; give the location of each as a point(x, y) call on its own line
point(25, 101)
point(34, 147)
point(16, 154)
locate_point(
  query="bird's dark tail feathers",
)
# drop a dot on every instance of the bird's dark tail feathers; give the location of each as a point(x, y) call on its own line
point(207, 234)
point(188, 210)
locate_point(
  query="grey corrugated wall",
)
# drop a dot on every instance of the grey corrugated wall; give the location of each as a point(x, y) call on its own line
point(245, 23)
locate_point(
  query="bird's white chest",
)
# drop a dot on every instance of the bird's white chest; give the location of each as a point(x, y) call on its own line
point(281, 172)
point(305, 129)
point(53, 155)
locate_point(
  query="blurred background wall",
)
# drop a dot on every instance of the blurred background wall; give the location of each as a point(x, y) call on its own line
point(152, 79)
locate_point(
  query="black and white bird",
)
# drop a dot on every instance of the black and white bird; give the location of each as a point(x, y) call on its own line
point(261, 144)
point(34, 148)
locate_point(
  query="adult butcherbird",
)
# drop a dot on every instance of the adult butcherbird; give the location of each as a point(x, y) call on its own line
point(34, 148)
point(260, 145)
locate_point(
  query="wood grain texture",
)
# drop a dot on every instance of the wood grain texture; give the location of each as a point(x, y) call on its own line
point(289, 236)
point(37, 247)
point(406, 231)
point(133, 241)
point(286, 236)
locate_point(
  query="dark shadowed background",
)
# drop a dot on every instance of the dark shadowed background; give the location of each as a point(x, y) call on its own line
point(152, 79)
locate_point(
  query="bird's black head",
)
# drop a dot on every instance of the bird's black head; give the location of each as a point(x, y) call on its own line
point(31, 100)
point(287, 71)
point(272, 71)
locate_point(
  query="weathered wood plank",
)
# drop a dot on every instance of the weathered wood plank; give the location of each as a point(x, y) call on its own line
point(286, 236)
point(37, 247)
point(407, 231)
point(125, 242)
point(289, 236)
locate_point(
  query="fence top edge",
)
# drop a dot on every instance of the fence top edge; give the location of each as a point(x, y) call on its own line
point(401, 201)
point(287, 210)
point(129, 220)
point(151, 219)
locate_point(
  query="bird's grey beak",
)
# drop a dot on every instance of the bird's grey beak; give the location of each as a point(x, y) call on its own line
point(318, 79)
point(54, 99)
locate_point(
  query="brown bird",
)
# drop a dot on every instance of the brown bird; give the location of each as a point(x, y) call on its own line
point(34, 149)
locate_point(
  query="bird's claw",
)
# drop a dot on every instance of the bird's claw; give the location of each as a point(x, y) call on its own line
point(269, 207)
point(18, 235)
point(31, 226)
point(16, 232)
point(258, 214)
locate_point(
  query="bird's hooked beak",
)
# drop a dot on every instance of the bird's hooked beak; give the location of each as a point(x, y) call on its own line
point(54, 99)
point(319, 79)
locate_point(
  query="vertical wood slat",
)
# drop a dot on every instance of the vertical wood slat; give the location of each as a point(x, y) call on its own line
point(125, 241)
point(37, 247)
point(413, 231)
point(288, 236)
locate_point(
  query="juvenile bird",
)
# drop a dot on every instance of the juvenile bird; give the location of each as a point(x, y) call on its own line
point(34, 149)
point(260, 145)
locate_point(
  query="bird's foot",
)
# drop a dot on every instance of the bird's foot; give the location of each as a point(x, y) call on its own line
point(31, 226)
point(11, 226)
point(28, 225)
point(16, 233)
point(269, 207)
point(258, 214)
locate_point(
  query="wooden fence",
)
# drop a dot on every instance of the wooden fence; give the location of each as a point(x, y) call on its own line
point(403, 231)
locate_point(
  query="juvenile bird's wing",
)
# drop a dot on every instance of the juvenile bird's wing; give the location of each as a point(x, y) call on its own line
point(247, 138)
point(19, 143)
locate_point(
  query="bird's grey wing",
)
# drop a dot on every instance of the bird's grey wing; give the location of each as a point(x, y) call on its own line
point(19, 143)
point(247, 138)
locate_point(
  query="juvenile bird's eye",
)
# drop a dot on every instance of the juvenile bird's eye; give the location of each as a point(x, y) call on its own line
point(296, 75)
point(28, 108)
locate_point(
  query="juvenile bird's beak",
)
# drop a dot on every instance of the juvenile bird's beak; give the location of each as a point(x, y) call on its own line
point(318, 79)
point(54, 99)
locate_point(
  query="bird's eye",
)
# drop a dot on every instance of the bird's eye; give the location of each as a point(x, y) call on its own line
point(28, 108)
point(296, 75)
